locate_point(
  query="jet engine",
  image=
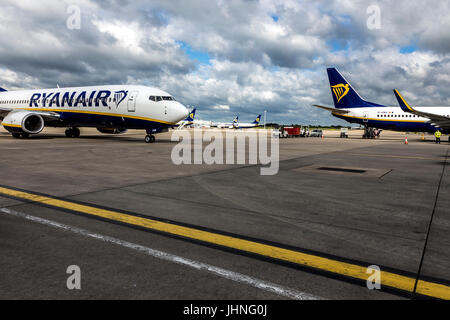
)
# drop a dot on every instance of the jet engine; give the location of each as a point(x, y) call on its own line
point(23, 121)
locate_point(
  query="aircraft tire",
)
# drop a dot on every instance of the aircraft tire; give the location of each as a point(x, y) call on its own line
point(150, 138)
point(68, 133)
point(76, 133)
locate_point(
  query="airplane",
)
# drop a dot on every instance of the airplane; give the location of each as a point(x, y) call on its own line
point(111, 109)
point(438, 116)
point(249, 125)
point(202, 123)
point(349, 105)
point(232, 125)
point(188, 121)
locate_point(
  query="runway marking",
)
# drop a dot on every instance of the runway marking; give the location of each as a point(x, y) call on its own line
point(223, 273)
point(400, 157)
point(390, 279)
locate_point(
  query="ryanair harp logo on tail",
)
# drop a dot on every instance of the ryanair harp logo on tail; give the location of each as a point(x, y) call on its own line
point(340, 90)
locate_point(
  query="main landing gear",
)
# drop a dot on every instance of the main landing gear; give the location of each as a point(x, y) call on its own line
point(21, 135)
point(371, 133)
point(72, 133)
point(150, 138)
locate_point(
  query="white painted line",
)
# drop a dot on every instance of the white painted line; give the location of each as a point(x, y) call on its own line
point(227, 274)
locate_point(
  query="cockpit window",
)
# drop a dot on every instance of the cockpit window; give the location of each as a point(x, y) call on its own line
point(158, 98)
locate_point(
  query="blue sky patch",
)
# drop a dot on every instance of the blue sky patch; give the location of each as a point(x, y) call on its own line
point(199, 56)
point(408, 49)
point(338, 45)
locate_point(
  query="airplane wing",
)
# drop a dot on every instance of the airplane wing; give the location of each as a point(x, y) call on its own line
point(436, 119)
point(4, 112)
point(49, 116)
point(333, 110)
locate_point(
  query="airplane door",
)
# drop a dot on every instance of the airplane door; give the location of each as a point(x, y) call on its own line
point(132, 101)
point(366, 116)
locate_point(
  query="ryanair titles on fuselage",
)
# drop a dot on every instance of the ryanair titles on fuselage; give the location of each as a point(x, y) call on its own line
point(75, 99)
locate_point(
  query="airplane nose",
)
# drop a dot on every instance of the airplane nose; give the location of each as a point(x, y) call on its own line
point(180, 112)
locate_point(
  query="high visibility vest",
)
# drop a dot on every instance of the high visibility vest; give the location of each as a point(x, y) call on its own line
point(437, 134)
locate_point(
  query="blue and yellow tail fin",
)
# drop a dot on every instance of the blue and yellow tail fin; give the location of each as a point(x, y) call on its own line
point(191, 115)
point(344, 96)
point(1, 89)
point(258, 119)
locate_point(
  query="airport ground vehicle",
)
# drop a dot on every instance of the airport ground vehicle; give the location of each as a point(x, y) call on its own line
point(289, 132)
point(316, 133)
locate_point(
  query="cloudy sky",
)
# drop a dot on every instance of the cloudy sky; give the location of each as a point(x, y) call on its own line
point(229, 57)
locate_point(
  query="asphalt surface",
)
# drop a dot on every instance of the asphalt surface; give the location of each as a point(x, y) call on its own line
point(392, 212)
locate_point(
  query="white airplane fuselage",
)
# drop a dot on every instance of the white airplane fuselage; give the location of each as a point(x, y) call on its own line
point(115, 106)
point(246, 125)
point(393, 118)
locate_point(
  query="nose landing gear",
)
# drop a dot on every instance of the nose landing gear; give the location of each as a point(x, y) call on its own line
point(150, 138)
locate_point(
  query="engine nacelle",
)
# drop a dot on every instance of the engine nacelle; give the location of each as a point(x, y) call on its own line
point(111, 130)
point(23, 121)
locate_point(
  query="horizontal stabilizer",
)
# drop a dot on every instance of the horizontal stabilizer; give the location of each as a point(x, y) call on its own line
point(333, 110)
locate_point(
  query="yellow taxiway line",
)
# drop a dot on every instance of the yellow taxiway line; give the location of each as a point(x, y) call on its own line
point(390, 279)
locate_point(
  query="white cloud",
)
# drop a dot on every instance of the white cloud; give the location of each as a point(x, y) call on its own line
point(256, 63)
point(221, 107)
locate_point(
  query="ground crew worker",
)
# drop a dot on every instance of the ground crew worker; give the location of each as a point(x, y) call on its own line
point(438, 135)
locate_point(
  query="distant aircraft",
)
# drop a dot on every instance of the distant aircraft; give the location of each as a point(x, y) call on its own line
point(227, 125)
point(110, 109)
point(349, 105)
point(249, 125)
point(188, 121)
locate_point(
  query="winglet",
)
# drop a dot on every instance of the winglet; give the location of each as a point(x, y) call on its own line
point(402, 102)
